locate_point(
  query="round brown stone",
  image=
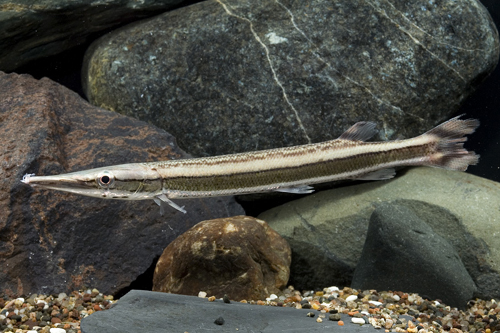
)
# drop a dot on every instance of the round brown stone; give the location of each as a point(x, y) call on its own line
point(240, 256)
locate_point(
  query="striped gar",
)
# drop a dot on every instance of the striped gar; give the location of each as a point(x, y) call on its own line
point(289, 169)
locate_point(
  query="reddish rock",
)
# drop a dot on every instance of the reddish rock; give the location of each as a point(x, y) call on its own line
point(239, 256)
point(52, 242)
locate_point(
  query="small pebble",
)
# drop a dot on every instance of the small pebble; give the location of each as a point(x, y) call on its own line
point(202, 294)
point(351, 298)
point(310, 314)
point(357, 320)
point(334, 317)
point(57, 330)
point(219, 321)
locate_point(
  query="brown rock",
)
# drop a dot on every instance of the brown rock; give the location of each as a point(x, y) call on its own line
point(52, 242)
point(239, 256)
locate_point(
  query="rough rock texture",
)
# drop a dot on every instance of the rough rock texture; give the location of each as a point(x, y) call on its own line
point(32, 30)
point(327, 230)
point(402, 252)
point(239, 75)
point(239, 256)
point(52, 242)
point(145, 311)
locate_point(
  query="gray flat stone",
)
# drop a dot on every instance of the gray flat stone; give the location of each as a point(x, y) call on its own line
point(146, 311)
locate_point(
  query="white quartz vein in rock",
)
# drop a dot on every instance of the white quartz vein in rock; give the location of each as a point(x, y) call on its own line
point(431, 36)
point(316, 54)
point(414, 39)
point(275, 76)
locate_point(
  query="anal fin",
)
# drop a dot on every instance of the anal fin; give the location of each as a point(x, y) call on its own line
point(378, 175)
point(163, 198)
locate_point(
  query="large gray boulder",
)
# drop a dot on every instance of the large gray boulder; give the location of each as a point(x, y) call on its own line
point(327, 230)
point(239, 75)
point(53, 242)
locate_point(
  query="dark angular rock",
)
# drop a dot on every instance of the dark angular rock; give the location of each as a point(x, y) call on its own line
point(402, 252)
point(152, 312)
point(33, 30)
point(52, 242)
point(239, 256)
point(240, 75)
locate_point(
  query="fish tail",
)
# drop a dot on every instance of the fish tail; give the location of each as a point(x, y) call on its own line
point(449, 151)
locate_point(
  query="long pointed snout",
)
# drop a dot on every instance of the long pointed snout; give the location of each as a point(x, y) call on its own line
point(67, 182)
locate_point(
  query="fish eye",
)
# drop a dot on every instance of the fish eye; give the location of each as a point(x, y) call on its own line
point(105, 179)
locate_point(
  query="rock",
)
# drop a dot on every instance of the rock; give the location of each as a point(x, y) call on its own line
point(53, 242)
point(146, 311)
point(239, 256)
point(402, 252)
point(239, 75)
point(327, 230)
point(36, 30)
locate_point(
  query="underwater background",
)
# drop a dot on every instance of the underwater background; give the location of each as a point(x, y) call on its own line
point(484, 104)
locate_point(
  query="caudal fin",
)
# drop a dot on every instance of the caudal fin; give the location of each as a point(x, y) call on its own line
point(450, 137)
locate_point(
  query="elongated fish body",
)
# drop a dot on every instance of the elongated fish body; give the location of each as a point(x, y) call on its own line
point(289, 169)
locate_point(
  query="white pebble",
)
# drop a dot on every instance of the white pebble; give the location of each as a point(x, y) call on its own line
point(271, 297)
point(396, 297)
point(355, 320)
point(351, 298)
point(375, 303)
point(32, 332)
point(332, 289)
point(202, 294)
point(57, 330)
point(436, 303)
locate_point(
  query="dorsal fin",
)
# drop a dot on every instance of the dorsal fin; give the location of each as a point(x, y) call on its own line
point(361, 131)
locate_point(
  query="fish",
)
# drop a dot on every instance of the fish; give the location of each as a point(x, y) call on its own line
point(288, 169)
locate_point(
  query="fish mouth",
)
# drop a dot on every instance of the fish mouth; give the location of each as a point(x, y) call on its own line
point(63, 183)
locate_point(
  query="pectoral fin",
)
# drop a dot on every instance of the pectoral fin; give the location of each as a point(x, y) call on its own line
point(162, 197)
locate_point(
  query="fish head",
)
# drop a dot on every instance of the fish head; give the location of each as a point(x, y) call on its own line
point(126, 181)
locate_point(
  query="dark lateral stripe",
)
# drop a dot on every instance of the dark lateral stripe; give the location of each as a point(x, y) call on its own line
point(287, 175)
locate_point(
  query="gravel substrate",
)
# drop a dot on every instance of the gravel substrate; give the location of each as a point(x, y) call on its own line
point(50, 314)
point(62, 313)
